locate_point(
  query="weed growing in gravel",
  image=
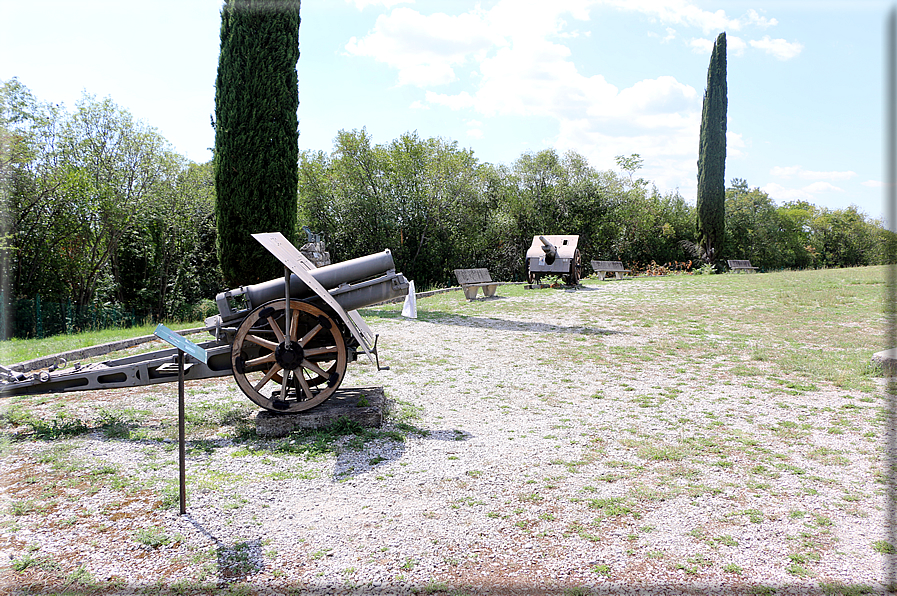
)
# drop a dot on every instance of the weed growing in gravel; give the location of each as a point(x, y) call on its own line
point(884, 547)
point(610, 506)
point(28, 560)
point(59, 427)
point(153, 537)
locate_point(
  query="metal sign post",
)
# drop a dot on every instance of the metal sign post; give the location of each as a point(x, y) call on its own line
point(184, 346)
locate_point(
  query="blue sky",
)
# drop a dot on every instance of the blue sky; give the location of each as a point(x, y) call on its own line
point(503, 77)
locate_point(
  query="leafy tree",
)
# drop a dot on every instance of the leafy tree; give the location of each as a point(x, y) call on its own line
point(419, 198)
point(256, 133)
point(712, 157)
point(112, 165)
point(166, 264)
point(753, 229)
point(76, 184)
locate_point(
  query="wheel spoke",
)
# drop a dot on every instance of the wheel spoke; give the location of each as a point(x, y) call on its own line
point(315, 369)
point(274, 370)
point(308, 336)
point(304, 384)
point(294, 325)
point(261, 342)
point(276, 328)
point(283, 384)
point(260, 360)
point(320, 351)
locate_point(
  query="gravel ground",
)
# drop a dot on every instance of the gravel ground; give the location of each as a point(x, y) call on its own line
point(542, 455)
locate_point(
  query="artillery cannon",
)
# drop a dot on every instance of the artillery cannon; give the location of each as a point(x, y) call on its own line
point(554, 255)
point(286, 341)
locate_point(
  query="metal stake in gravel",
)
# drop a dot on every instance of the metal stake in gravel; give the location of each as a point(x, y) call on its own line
point(184, 346)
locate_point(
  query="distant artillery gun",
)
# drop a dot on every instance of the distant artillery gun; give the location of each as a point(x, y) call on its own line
point(555, 255)
point(286, 341)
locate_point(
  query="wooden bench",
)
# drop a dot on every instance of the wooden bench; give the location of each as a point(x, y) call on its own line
point(602, 268)
point(736, 265)
point(472, 280)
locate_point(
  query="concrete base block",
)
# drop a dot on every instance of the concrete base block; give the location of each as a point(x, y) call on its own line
point(887, 359)
point(344, 402)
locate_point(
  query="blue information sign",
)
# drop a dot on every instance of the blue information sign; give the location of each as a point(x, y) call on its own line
point(180, 342)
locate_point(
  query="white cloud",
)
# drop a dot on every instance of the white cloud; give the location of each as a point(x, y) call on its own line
point(781, 49)
point(425, 49)
point(753, 18)
point(822, 187)
point(679, 12)
point(789, 171)
point(512, 59)
point(734, 144)
point(805, 193)
point(362, 4)
point(701, 46)
point(735, 46)
point(670, 36)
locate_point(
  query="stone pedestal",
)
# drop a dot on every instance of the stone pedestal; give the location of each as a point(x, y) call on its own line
point(364, 405)
point(887, 359)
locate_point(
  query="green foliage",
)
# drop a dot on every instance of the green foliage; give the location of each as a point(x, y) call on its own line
point(437, 208)
point(58, 427)
point(711, 205)
point(153, 537)
point(256, 134)
point(94, 201)
point(148, 248)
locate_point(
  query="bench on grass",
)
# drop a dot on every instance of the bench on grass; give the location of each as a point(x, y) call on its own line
point(472, 280)
point(602, 268)
point(735, 265)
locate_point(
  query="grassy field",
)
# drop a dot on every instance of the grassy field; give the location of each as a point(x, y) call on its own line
point(789, 318)
point(20, 350)
point(820, 325)
point(632, 401)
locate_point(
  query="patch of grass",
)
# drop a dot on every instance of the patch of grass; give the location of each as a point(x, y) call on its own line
point(884, 547)
point(661, 452)
point(799, 570)
point(610, 506)
point(840, 589)
point(153, 537)
point(28, 560)
point(58, 428)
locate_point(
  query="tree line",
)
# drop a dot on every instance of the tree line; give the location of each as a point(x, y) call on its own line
point(98, 208)
point(438, 208)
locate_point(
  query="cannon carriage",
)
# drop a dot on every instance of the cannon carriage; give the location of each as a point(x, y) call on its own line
point(287, 342)
point(555, 255)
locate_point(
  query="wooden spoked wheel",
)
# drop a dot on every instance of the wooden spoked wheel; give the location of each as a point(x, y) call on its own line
point(531, 277)
point(288, 374)
point(575, 273)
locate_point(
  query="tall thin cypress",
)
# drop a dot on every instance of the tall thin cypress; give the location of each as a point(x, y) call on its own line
point(711, 201)
point(256, 134)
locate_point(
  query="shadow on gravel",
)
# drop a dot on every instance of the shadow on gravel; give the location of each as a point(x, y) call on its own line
point(441, 318)
point(350, 464)
point(235, 561)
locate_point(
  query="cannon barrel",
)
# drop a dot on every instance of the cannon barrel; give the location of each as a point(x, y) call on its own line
point(550, 250)
point(378, 269)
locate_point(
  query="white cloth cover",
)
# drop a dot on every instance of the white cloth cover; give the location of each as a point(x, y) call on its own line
point(409, 309)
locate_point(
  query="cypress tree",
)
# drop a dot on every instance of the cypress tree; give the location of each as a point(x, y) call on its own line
point(711, 201)
point(256, 134)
